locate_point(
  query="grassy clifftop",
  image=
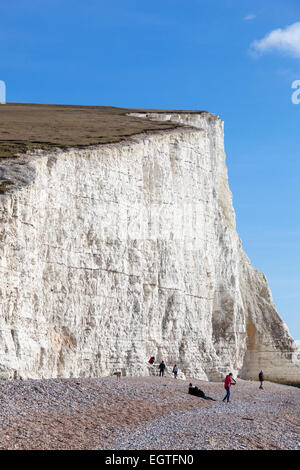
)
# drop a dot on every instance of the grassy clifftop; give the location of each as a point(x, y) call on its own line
point(29, 126)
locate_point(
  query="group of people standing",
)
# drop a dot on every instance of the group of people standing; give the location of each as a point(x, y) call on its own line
point(162, 367)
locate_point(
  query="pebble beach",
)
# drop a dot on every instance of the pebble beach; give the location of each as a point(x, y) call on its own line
point(139, 413)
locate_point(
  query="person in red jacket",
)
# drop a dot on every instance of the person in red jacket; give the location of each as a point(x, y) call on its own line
point(229, 380)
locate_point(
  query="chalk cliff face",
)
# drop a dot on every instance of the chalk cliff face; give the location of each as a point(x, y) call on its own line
point(113, 253)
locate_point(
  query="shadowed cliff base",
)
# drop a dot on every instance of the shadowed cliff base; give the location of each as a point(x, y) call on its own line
point(26, 126)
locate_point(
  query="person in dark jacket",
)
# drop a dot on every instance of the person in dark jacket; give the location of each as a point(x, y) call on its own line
point(261, 379)
point(162, 367)
point(193, 390)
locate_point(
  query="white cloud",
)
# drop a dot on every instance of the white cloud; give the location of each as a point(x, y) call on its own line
point(285, 40)
point(298, 342)
point(250, 17)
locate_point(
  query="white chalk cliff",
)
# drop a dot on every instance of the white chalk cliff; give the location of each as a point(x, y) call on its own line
point(117, 252)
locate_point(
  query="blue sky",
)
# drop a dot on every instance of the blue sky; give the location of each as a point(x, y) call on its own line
point(191, 54)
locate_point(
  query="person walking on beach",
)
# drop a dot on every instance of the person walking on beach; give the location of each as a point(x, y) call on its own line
point(229, 380)
point(175, 371)
point(162, 367)
point(261, 379)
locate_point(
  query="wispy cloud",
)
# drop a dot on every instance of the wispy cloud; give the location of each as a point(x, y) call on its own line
point(285, 40)
point(250, 17)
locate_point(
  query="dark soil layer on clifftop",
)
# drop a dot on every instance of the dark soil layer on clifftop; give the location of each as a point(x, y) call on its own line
point(24, 127)
point(146, 413)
